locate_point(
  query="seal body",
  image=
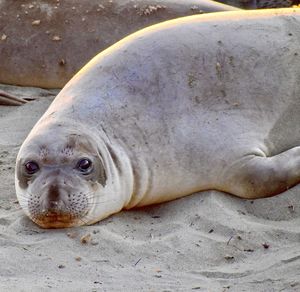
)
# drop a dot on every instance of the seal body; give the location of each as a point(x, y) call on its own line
point(198, 103)
point(44, 43)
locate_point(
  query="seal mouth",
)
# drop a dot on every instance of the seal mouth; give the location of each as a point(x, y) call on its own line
point(54, 219)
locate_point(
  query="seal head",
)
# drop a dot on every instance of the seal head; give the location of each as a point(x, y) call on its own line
point(57, 181)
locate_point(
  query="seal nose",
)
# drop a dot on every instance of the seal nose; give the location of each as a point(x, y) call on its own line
point(53, 205)
point(52, 201)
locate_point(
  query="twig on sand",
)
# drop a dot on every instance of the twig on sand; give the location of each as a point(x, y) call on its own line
point(137, 262)
point(229, 240)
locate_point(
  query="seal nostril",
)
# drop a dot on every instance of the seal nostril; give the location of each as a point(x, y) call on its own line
point(53, 204)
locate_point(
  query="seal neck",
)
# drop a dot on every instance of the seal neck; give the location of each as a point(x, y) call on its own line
point(130, 174)
point(119, 171)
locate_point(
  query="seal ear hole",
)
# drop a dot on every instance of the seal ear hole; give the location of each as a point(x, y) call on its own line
point(31, 167)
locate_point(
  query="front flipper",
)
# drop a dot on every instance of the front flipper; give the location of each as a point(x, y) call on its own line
point(254, 176)
point(8, 99)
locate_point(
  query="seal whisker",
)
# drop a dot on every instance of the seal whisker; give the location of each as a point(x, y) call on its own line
point(98, 197)
point(23, 196)
point(28, 194)
point(99, 203)
point(88, 220)
point(85, 222)
point(93, 196)
point(23, 199)
point(21, 208)
point(23, 202)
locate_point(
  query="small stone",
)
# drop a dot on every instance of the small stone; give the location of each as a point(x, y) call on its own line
point(266, 245)
point(56, 38)
point(62, 62)
point(72, 234)
point(86, 238)
point(36, 22)
point(3, 37)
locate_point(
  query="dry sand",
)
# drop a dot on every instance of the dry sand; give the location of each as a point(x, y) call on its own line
point(209, 241)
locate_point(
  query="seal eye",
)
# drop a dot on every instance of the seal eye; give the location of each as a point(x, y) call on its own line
point(31, 167)
point(84, 165)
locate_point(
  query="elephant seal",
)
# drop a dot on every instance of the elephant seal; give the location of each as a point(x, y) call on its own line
point(44, 43)
point(207, 102)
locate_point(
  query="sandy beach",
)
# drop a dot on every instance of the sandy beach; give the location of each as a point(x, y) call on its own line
point(208, 241)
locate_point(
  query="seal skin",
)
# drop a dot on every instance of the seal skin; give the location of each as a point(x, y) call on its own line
point(206, 102)
point(44, 43)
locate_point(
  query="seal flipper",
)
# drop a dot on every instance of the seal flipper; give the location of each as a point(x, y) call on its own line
point(8, 99)
point(254, 176)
